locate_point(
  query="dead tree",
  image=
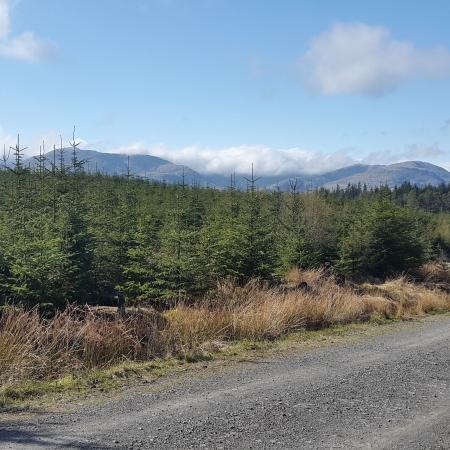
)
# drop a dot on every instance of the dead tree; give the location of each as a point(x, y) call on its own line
point(20, 189)
point(251, 182)
point(62, 165)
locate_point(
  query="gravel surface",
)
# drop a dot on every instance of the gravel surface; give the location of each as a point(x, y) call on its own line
point(389, 391)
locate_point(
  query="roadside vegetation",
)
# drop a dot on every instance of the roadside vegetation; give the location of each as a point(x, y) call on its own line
point(79, 341)
point(198, 269)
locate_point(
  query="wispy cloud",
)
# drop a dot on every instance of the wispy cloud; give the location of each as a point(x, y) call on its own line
point(446, 125)
point(411, 152)
point(26, 46)
point(356, 58)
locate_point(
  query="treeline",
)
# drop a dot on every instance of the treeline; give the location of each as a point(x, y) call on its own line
point(429, 198)
point(68, 236)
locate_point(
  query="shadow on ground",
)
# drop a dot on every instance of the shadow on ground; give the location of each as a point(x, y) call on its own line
point(16, 437)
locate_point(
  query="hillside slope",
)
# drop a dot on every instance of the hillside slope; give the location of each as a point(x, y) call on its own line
point(152, 167)
point(416, 172)
point(146, 166)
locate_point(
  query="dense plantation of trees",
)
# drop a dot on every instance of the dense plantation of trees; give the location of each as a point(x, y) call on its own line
point(72, 236)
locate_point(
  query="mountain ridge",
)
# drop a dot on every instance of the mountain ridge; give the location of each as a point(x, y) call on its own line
point(144, 166)
point(419, 173)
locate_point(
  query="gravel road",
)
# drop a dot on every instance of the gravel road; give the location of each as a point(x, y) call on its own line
point(385, 391)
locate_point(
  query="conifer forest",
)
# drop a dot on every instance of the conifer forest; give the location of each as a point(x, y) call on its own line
point(72, 236)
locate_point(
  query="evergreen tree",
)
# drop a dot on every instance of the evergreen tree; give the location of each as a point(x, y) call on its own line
point(180, 272)
point(258, 253)
point(140, 274)
point(384, 241)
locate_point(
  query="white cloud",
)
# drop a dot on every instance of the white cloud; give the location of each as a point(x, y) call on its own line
point(356, 58)
point(26, 46)
point(267, 160)
point(4, 18)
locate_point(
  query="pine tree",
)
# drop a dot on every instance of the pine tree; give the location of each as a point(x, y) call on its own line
point(180, 271)
point(384, 241)
point(140, 274)
point(258, 254)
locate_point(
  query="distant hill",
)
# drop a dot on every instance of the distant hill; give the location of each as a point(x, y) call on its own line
point(416, 172)
point(312, 181)
point(145, 166)
point(151, 167)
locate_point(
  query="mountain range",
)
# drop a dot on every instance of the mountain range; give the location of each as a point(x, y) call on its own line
point(151, 167)
point(144, 166)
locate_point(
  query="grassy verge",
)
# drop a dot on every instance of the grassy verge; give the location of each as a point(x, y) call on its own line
point(36, 394)
point(103, 380)
point(81, 350)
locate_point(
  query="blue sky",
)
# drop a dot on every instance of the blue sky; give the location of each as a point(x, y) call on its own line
point(217, 84)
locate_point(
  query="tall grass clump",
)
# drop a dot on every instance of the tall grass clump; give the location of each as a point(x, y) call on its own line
point(75, 339)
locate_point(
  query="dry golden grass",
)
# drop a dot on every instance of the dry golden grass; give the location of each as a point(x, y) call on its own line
point(312, 277)
point(414, 299)
point(32, 347)
point(433, 273)
point(378, 306)
point(256, 311)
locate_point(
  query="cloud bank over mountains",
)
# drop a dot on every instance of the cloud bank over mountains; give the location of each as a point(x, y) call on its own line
point(238, 159)
point(274, 162)
point(357, 58)
point(268, 161)
point(25, 46)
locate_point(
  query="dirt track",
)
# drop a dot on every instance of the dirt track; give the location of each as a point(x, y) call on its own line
point(387, 391)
